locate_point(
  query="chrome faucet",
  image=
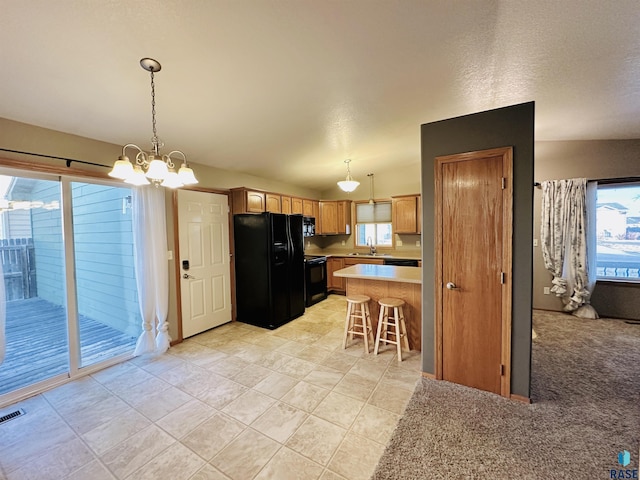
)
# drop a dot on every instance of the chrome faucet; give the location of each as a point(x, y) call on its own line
point(372, 247)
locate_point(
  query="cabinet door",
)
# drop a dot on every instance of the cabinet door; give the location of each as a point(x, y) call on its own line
point(272, 202)
point(329, 217)
point(344, 216)
point(296, 205)
point(285, 203)
point(255, 202)
point(405, 214)
point(307, 208)
point(335, 283)
point(367, 261)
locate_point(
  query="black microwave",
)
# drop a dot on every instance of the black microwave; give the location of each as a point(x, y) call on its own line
point(308, 226)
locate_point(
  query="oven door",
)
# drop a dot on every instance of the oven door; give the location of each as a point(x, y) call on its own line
point(315, 282)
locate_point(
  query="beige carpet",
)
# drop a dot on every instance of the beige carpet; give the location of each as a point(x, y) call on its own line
point(586, 393)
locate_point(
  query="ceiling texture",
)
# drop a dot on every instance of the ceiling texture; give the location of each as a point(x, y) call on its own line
point(289, 89)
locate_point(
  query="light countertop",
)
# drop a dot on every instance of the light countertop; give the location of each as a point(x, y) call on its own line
point(388, 273)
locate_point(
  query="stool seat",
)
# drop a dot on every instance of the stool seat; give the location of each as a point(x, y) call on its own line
point(391, 302)
point(358, 298)
point(392, 324)
point(358, 321)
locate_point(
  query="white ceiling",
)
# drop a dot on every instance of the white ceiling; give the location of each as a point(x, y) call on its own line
point(288, 89)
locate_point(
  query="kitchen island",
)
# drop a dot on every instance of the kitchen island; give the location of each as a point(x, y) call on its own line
point(379, 281)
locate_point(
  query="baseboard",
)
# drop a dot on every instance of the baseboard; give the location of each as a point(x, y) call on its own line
point(520, 398)
point(429, 375)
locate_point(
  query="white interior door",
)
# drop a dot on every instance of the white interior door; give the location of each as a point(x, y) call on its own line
point(203, 224)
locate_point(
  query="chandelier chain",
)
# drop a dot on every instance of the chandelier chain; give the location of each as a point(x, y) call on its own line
point(154, 140)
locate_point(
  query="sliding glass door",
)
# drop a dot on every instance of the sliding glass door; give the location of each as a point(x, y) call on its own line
point(66, 250)
point(32, 253)
point(109, 318)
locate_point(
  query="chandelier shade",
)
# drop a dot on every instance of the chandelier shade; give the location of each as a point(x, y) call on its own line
point(348, 184)
point(152, 167)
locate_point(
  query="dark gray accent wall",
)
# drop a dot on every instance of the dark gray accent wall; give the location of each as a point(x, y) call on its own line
point(509, 126)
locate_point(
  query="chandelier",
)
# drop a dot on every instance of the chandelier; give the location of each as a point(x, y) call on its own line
point(348, 184)
point(151, 167)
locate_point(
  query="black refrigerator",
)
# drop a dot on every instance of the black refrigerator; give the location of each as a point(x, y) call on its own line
point(269, 261)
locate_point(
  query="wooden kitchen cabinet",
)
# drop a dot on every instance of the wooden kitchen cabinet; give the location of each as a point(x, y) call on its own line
point(285, 204)
point(335, 217)
point(272, 203)
point(335, 284)
point(248, 201)
point(407, 216)
point(307, 208)
point(296, 205)
point(355, 260)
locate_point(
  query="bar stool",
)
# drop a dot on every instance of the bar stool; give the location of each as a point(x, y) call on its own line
point(358, 321)
point(396, 322)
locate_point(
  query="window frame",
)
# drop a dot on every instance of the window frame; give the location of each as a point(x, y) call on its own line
point(390, 223)
point(612, 183)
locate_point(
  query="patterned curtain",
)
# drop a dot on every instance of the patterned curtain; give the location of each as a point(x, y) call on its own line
point(569, 241)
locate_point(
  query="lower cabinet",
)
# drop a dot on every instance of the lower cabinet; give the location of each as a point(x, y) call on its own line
point(335, 284)
point(339, 284)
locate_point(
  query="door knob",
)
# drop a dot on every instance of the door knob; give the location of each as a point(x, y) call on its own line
point(451, 286)
point(186, 275)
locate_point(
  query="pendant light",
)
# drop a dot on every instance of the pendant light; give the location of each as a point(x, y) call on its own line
point(371, 200)
point(348, 184)
point(151, 167)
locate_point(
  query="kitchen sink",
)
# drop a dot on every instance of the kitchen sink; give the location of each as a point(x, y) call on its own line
point(359, 254)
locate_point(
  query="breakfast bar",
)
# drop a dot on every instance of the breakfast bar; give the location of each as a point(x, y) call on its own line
point(379, 281)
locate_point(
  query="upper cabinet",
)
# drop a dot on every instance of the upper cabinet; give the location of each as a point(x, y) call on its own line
point(296, 205)
point(254, 201)
point(247, 201)
point(335, 218)
point(285, 204)
point(407, 217)
point(272, 202)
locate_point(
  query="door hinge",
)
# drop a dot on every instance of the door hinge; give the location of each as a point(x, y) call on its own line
point(504, 183)
point(501, 370)
point(502, 278)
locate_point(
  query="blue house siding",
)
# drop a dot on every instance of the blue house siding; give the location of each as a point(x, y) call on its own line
point(46, 227)
point(105, 272)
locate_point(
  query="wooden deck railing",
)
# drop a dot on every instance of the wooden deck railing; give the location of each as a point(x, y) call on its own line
point(19, 266)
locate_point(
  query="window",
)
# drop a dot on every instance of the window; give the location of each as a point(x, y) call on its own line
point(618, 231)
point(373, 224)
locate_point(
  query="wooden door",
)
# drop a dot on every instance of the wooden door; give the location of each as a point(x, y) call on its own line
point(203, 232)
point(307, 208)
point(473, 269)
point(256, 202)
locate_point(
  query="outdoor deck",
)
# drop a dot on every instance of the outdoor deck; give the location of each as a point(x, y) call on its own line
point(36, 335)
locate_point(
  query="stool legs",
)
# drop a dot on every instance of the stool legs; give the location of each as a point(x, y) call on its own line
point(399, 329)
point(358, 322)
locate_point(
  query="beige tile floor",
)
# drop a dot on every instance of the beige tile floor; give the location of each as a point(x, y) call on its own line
point(237, 402)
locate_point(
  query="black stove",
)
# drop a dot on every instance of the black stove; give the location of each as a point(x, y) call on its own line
point(315, 284)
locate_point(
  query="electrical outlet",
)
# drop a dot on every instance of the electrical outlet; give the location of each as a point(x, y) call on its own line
point(547, 291)
point(398, 243)
point(417, 243)
point(342, 243)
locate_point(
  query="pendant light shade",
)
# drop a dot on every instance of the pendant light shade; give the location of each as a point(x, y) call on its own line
point(151, 167)
point(348, 184)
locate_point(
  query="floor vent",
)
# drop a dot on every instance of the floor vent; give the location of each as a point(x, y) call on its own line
point(11, 416)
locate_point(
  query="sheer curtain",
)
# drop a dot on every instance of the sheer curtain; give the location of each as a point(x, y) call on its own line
point(568, 233)
point(152, 271)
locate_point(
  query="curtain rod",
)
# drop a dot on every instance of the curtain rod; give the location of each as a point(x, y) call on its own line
point(68, 160)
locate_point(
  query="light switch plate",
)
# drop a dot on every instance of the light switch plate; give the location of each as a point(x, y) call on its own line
point(535, 242)
point(169, 255)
